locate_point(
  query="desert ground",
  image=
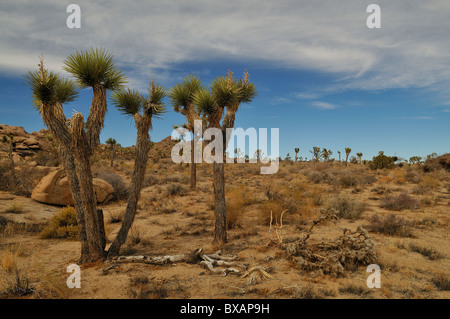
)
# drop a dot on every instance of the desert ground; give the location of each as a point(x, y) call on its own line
point(404, 210)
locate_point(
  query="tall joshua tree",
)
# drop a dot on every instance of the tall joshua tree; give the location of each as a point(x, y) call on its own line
point(339, 153)
point(77, 139)
point(348, 150)
point(112, 149)
point(359, 157)
point(296, 153)
point(182, 98)
point(224, 96)
point(143, 110)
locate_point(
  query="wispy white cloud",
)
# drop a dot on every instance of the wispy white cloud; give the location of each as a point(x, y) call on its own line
point(324, 105)
point(150, 38)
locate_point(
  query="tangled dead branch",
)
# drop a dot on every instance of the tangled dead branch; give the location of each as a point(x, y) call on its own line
point(210, 261)
point(346, 252)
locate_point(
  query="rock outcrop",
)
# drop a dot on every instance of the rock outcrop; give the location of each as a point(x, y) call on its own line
point(54, 189)
point(24, 144)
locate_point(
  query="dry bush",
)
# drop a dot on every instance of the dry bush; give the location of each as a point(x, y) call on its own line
point(430, 253)
point(116, 181)
point(15, 208)
point(353, 289)
point(237, 200)
point(115, 216)
point(176, 189)
point(390, 224)
point(18, 286)
point(345, 206)
point(47, 158)
point(62, 225)
point(142, 288)
point(412, 176)
point(427, 185)
point(441, 281)
point(9, 261)
point(399, 202)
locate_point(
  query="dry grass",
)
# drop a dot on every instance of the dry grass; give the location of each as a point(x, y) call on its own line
point(346, 206)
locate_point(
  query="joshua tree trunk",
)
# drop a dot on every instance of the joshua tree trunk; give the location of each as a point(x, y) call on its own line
point(220, 212)
point(141, 158)
point(69, 166)
point(55, 120)
point(93, 217)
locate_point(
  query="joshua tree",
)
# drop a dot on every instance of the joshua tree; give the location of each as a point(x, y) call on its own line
point(326, 154)
point(182, 97)
point(359, 157)
point(225, 94)
point(77, 139)
point(348, 150)
point(339, 152)
point(143, 110)
point(112, 149)
point(316, 152)
point(296, 153)
point(258, 154)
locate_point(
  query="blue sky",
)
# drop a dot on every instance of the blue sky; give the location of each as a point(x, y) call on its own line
point(323, 78)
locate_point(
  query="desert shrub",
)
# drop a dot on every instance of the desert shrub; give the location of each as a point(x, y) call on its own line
point(62, 225)
point(412, 176)
point(237, 200)
point(426, 185)
point(430, 253)
point(382, 161)
point(320, 177)
point(115, 217)
point(176, 189)
point(47, 158)
point(116, 181)
point(354, 290)
point(399, 202)
point(15, 208)
point(391, 224)
point(345, 206)
point(441, 281)
point(18, 286)
point(6, 177)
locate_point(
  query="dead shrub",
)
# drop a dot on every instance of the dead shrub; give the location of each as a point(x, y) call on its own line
point(116, 181)
point(345, 206)
point(390, 224)
point(399, 202)
point(176, 189)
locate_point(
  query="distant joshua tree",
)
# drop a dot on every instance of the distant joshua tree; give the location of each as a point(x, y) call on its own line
point(316, 152)
point(326, 154)
point(296, 153)
point(359, 157)
point(348, 150)
point(112, 149)
point(339, 152)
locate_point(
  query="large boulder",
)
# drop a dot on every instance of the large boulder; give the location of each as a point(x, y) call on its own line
point(54, 189)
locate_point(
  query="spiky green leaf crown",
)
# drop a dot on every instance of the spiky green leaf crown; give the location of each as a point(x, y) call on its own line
point(95, 68)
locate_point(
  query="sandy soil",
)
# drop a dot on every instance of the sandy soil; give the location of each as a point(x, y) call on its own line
point(173, 224)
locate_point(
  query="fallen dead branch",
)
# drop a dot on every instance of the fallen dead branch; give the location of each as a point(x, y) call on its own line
point(210, 261)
